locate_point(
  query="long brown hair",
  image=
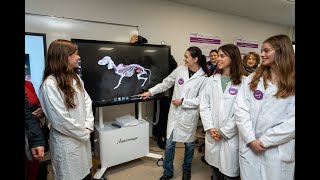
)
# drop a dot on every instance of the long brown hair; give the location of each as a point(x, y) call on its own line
point(58, 66)
point(236, 66)
point(285, 64)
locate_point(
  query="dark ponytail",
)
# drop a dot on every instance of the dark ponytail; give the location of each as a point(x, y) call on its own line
point(203, 64)
point(196, 52)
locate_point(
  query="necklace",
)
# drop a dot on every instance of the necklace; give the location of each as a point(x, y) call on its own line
point(224, 82)
point(225, 79)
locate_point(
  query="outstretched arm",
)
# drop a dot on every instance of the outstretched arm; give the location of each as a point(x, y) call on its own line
point(167, 83)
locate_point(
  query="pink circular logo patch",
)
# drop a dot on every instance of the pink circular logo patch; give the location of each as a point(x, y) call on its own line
point(257, 94)
point(180, 81)
point(233, 91)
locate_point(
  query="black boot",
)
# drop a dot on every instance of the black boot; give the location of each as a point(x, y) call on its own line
point(161, 143)
point(164, 177)
point(186, 175)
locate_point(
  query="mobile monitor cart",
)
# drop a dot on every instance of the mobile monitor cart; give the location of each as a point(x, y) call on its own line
point(115, 145)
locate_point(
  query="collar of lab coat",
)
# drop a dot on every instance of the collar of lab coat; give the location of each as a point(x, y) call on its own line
point(217, 77)
point(200, 72)
point(270, 89)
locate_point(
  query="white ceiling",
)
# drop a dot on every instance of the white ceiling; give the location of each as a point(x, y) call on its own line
point(278, 12)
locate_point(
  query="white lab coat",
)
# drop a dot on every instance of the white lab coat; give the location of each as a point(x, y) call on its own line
point(216, 111)
point(272, 121)
point(69, 139)
point(182, 120)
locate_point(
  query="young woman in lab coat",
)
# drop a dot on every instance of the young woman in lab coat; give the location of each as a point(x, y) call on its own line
point(67, 106)
point(217, 114)
point(265, 114)
point(188, 82)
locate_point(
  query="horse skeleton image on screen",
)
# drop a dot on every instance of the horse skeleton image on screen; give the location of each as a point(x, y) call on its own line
point(126, 70)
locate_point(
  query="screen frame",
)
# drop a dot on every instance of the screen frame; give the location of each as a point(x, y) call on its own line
point(155, 97)
point(36, 72)
point(44, 37)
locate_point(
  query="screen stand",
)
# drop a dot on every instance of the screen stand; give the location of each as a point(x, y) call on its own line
point(101, 125)
point(111, 152)
point(152, 155)
point(99, 173)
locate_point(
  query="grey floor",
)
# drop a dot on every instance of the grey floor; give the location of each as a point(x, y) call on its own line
point(146, 168)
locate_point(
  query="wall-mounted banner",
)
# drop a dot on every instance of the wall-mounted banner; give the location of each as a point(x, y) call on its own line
point(246, 46)
point(206, 42)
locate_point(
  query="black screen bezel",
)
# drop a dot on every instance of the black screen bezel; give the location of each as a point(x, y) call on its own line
point(165, 95)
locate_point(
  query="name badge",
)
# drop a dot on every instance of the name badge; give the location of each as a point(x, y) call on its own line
point(180, 81)
point(257, 94)
point(233, 91)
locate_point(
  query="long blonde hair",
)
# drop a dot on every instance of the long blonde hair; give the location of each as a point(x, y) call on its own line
point(285, 64)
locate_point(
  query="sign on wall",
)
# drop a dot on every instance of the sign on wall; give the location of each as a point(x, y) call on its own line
point(246, 46)
point(206, 42)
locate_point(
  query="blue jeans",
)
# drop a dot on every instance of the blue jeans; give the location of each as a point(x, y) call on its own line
point(169, 156)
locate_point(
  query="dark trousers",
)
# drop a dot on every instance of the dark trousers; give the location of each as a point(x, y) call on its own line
point(43, 171)
point(217, 175)
point(169, 153)
point(159, 130)
point(92, 134)
point(31, 169)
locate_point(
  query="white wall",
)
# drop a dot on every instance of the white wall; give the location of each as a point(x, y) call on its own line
point(160, 20)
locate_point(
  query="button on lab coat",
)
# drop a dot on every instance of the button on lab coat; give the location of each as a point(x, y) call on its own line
point(69, 139)
point(216, 111)
point(272, 121)
point(183, 120)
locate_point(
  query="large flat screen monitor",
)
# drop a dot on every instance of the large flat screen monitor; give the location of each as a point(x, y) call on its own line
point(115, 72)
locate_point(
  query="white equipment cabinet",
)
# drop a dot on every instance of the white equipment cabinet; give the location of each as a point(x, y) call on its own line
point(118, 145)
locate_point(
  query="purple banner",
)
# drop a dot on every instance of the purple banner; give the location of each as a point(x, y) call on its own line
point(248, 45)
point(205, 40)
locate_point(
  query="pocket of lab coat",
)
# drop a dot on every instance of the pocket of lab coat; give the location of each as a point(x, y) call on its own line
point(209, 138)
point(188, 117)
point(287, 151)
point(187, 122)
point(233, 143)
